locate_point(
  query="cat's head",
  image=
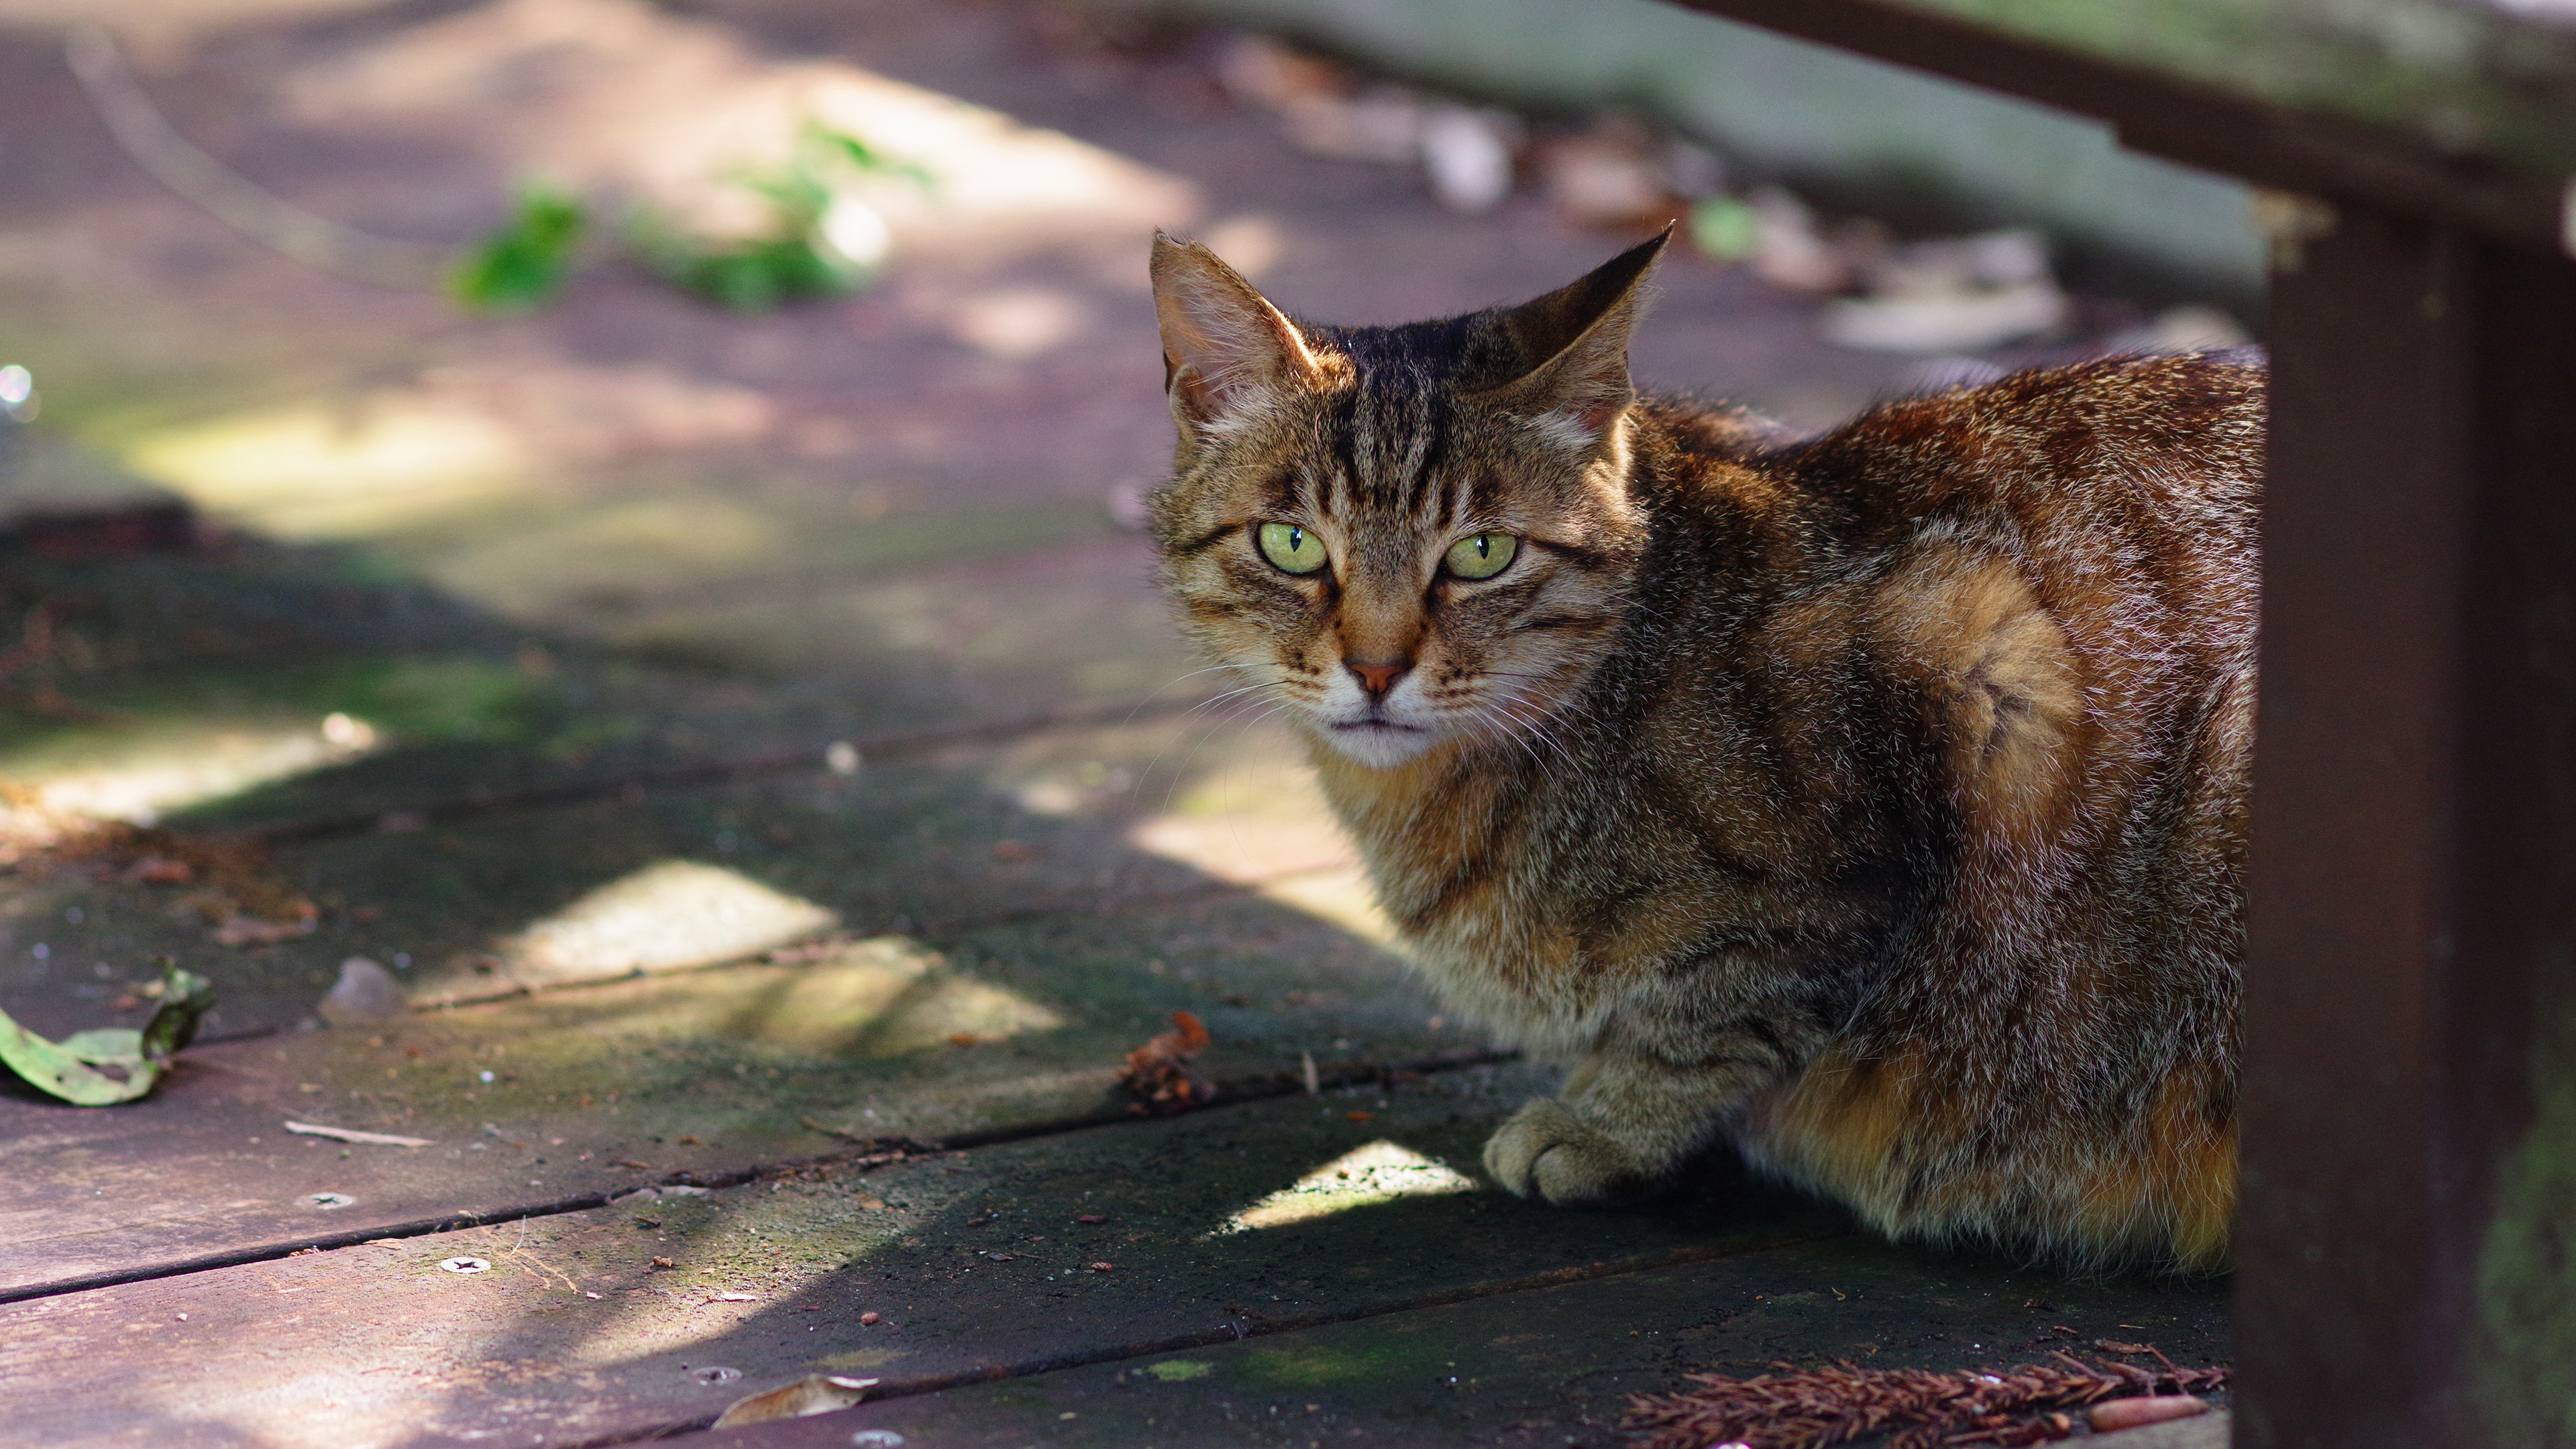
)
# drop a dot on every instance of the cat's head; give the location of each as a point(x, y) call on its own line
point(1410, 535)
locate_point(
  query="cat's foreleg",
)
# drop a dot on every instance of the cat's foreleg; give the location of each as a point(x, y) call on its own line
point(1621, 1124)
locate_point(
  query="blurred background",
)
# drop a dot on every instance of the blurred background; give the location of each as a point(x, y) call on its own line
point(422, 409)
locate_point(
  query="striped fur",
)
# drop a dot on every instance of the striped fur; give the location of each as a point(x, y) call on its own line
point(1874, 802)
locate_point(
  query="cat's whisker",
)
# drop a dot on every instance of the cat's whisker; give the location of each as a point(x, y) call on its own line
point(1151, 765)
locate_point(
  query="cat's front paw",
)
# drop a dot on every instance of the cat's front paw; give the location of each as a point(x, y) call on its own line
point(1547, 1152)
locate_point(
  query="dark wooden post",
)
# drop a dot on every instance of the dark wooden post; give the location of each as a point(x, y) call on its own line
point(2407, 1244)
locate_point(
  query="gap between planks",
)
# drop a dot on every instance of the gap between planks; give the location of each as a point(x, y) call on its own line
point(900, 745)
point(1229, 1093)
point(1267, 1325)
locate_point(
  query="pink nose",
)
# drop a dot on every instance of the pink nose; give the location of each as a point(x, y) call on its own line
point(1377, 678)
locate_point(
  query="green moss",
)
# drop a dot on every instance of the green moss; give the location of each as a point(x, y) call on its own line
point(2524, 1365)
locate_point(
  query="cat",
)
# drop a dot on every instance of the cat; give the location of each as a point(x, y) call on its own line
point(1874, 802)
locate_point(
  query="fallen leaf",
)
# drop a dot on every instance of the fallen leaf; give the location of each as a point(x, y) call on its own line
point(1157, 1072)
point(107, 1065)
point(664, 1263)
point(237, 929)
point(868, 1320)
point(812, 1394)
point(160, 870)
point(2113, 1345)
point(1091, 1218)
point(1015, 851)
point(1360, 1116)
point(1104, 1267)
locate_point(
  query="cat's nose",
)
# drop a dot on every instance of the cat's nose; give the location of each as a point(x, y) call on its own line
point(1377, 679)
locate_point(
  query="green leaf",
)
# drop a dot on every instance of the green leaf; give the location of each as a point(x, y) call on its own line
point(107, 1065)
point(843, 147)
point(523, 264)
point(754, 276)
point(1725, 228)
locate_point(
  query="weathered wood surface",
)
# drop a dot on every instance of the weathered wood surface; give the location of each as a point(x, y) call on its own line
point(959, 1028)
point(1552, 1365)
point(376, 1342)
point(1259, 1219)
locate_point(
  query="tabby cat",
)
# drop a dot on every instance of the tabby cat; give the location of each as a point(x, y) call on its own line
point(1874, 802)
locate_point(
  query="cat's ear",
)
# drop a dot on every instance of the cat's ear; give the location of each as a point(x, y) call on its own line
point(1226, 350)
point(1574, 345)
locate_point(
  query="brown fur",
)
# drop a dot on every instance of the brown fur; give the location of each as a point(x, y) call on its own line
point(1874, 802)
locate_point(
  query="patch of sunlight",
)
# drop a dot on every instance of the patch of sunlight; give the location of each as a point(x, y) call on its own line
point(327, 1407)
point(888, 996)
point(140, 773)
point(1251, 813)
point(666, 916)
point(1344, 897)
point(162, 29)
point(1379, 1172)
point(678, 108)
point(955, 1010)
point(311, 471)
point(639, 545)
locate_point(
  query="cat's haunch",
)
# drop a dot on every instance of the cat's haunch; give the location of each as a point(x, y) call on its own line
point(1874, 802)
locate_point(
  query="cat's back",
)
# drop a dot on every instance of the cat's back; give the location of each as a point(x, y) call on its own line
point(2054, 578)
point(2171, 444)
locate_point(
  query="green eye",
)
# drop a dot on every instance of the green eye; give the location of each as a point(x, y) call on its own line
point(1293, 549)
point(1482, 556)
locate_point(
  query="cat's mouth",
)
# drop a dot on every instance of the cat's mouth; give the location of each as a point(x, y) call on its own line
point(1377, 741)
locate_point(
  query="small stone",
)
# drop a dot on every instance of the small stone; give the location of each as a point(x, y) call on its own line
point(868, 1320)
point(364, 993)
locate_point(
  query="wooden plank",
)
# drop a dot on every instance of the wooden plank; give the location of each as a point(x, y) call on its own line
point(1100, 921)
point(495, 901)
point(696, 1076)
point(1554, 1365)
point(976, 1265)
point(2409, 979)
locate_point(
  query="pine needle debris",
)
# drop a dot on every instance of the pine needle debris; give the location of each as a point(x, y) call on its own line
point(1816, 1408)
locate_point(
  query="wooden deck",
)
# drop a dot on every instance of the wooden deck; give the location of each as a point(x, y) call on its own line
point(733, 1066)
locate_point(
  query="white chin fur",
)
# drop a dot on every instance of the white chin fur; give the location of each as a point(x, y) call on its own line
point(1378, 746)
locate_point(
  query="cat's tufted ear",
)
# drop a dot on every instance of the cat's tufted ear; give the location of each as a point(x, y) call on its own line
point(1226, 350)
point(1574, 344)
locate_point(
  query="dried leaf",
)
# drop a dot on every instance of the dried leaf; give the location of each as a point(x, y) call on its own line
point(108, 1065)
point(1157, 1073)
point(812, 1394)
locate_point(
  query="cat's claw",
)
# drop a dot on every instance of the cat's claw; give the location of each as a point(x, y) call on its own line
point(1547, 1152)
